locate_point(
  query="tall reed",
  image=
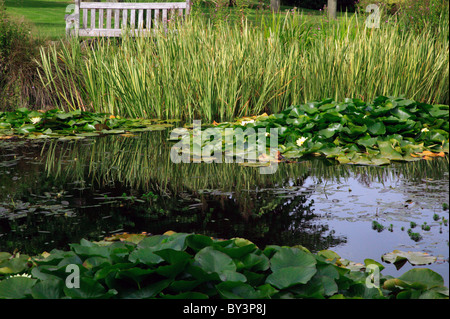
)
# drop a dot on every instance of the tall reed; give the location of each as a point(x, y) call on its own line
point(218, 72)
point(378, 62)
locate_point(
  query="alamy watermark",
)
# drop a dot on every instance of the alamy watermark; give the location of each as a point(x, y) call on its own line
point(73, 279)
point(373, 279)
point(373, 20)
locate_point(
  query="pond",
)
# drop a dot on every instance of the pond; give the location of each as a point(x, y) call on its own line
point(53, 193)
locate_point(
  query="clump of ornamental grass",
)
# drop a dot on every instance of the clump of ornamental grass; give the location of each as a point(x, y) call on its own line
point(199, 69)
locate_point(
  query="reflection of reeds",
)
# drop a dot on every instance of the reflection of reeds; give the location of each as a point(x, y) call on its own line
point(144, 163)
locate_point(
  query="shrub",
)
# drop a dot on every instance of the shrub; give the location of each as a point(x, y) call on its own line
point(19, 81)
point(417, 15)
point(412, 15)
point(343, 5)
point(388, 6)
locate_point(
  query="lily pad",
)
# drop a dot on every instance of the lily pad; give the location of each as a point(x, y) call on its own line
point(414, 258)
point(354, 132)
point(16, 287)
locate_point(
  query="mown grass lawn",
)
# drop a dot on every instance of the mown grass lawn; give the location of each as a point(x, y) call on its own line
point(46, 17)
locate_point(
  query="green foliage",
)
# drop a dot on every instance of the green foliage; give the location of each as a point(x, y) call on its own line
point(412, 15)
point(10, 33)
point(181, 265)
point(377, 226)
point(417, 15)
point(240, 69)
point(70, 125)
point(414, 258)
point(414, 236)
point(19, 81)
point(389, 6)
point(376, 133)
point(343, 5)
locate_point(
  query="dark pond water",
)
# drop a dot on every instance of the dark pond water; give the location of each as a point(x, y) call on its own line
point(53, 193)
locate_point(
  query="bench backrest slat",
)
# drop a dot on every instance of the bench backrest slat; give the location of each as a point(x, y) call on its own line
point(121, 15)
point(85, 16)
point(92, 18)
point(135, 6)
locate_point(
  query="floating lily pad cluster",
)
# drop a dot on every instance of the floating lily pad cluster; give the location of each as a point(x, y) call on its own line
point(195, 266)
point(399, 258)
point(18, 209)
point(75, 124)
point(387, 129)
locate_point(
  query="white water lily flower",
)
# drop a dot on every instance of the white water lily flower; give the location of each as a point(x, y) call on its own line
point(35, 120)
point(21, 275)
point(424, 129)
point(301, 140)
point(247, 122)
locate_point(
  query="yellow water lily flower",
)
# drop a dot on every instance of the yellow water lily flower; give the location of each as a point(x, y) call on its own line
point(301, 140)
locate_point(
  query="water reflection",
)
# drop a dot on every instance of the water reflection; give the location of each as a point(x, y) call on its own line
point(56, 193)
point(53, 193)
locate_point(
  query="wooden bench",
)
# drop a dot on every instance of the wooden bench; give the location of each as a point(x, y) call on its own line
point(110, 19)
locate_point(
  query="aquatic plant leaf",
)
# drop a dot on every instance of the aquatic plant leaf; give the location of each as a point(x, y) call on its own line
point(145, 256)
point(423, 278)
point(437, 112)
point(230, 275)
point(186, 295)
point(290, 276)
point(16, 287)
point(377, 128)
point(88, 251)
point(14, 265)
point(96, 262)
point(133, 238)
point(369, 261)
point(89, 289)
point(48, 289)
point(388, 152)
point(291, 257)
point(329, 255)
point(310, 108)
point(136, 274)
point(401, 113)
point(255, 262)
point(25, 129)
point(331, 130)
point(376, 133)
point(236, 290)
point(414, 258)
point(237, 252)
point(198, 242)
point(173, 256)
point(4, 256)
point(214, 261)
